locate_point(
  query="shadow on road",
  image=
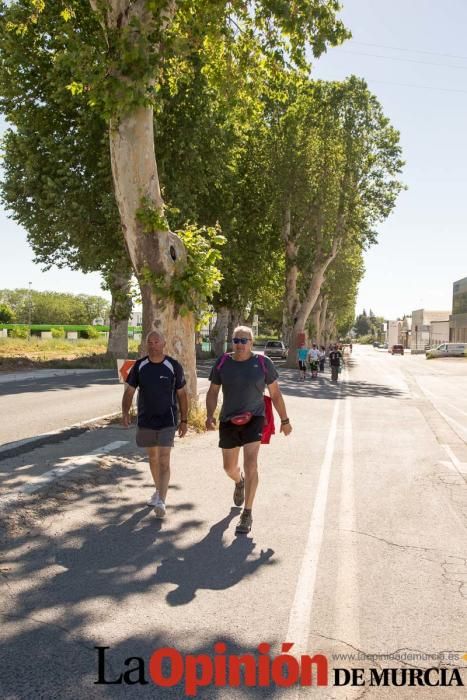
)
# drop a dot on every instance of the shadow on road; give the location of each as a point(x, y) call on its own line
point(59, 591)
point(324, 388)
point(210, 564)
point(73, 381)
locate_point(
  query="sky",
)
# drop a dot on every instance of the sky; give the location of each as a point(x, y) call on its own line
point(413, 56)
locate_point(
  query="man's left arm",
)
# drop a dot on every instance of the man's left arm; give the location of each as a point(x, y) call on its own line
point(279, 404)
point(183, 403)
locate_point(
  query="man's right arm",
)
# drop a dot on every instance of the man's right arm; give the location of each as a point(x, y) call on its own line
point(126, 404)
point(211, 405)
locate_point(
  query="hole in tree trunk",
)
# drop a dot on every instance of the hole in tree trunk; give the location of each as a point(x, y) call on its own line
point(173, 253)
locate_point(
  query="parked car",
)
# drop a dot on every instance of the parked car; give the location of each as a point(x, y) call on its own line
point(448, 350)
point(397, 350)
point(276, 349)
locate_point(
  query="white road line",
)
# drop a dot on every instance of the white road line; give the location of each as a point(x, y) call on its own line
point(299, 619)
point(346, 596)
point(459, 466)
point(72, 463)
point(37, 438)
point(453, 422)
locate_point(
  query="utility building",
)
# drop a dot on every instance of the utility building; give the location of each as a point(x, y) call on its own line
point(458, 319)
point(421, 327)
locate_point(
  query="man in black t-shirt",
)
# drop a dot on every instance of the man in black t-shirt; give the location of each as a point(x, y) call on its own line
point(335, 360)
point(161, 382)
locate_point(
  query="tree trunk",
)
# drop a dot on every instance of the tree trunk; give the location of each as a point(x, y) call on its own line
point(330, 328)
point(119, 284)
point(235, 319)
point(154, 253)
point(322, 319)
point(315, 319)
point(304, 311)
point(291, 301)
point(219, 332)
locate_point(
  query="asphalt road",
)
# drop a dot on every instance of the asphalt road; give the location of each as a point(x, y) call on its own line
point(358, 546)
point(32, 407)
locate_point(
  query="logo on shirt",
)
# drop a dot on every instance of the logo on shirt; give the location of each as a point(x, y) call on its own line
point(162, 376)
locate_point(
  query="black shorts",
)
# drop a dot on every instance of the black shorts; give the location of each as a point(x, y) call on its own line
point(231, 435)
point(302, 365)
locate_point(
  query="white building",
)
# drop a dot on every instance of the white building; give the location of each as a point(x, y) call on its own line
point(405, 331)
point(392, 333)
point(136, 318)
point(439, 332)
point(421, 327)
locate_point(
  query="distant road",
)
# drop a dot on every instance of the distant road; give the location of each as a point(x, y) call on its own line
point(31, 407)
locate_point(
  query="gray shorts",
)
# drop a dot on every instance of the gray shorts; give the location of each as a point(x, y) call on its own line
point(164, 437)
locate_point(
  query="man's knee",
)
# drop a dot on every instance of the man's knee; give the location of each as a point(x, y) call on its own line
point(251, 464)
point(230, 468)
point(164, 463)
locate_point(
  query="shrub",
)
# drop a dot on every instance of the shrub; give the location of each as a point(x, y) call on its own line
point(366, 339)
point(58, 332)
point(19, 332)
point(6, 314)
point(90, 332)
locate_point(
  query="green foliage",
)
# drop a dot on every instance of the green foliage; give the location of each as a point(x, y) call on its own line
point(341, 285)
point(18, 332)
point(57, 180)
point(151, 218)
point(91, 332)
point(65, 71)
point(54, 307)
point(368, 325)
point(362, 326)
point(6, 313)
point(194, 283)
point(366, 339)
point(58, 332)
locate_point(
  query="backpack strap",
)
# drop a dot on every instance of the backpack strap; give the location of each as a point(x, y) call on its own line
point(227, 355)
point(222, 360)
point(262, 362)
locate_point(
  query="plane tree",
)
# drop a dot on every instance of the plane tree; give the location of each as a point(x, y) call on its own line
point(338, 168)
point(57, 185)
point(120, 77)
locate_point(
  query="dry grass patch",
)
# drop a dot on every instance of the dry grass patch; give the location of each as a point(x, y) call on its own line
point(57, 353)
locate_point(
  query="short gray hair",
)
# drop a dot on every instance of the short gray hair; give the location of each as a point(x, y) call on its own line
point(155, 332)
point(244, 329)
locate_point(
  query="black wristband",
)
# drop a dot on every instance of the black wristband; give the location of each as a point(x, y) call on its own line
point(285, 421)
point(183, 421)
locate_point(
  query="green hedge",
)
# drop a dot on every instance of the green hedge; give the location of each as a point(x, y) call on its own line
point(18, 332)
point(50, 326)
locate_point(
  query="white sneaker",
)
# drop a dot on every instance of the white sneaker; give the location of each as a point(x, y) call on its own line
point(159, 509)
point(154, 500)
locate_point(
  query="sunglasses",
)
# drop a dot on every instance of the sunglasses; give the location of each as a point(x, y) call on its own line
point(243, 341)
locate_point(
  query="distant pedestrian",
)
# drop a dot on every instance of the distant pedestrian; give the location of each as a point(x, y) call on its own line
point(335, 360)
point(302, 356)
point(313, 359)
point(161, 382)
point(322, 358)
point(243, 376)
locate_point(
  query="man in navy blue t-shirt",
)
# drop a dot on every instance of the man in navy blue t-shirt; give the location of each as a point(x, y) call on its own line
point(161, 382)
